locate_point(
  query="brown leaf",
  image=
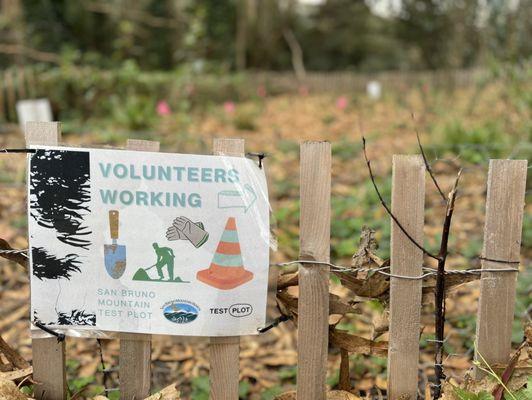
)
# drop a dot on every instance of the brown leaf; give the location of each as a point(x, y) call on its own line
point(331, 395)
point(336, 305)
point(341, 395)
point(381, 325)
point(168, 393)
point(451, 281)
point(287, 280)
point(366, 246)
point(357, 344)
point(374, 286)
point(345, 379)
point(8, 391)
point(17, 374)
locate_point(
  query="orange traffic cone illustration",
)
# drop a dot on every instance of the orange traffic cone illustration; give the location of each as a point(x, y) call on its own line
point(227, 268)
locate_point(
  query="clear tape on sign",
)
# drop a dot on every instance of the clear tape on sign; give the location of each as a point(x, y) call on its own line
point(244, 197)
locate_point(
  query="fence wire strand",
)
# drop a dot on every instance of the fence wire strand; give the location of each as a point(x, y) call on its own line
point(342, 268)
point(23, 252)
point(382, 270)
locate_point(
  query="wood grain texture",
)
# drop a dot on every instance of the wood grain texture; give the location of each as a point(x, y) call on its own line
point(43, 133)
point(225, 351)
point(313, 305)
point(135, 349)
point(143, 145)
point(502, 241)
point(48, 354)
point(408, 205)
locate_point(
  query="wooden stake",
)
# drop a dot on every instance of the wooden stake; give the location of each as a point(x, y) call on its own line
point(48, 354)
point(313, 305)
point(224, 351)
point(135, 349)
point(502, 241)
point(408, 206)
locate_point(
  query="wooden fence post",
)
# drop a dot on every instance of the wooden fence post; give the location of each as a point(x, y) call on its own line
point(408, 205)
point(313, 305)
point(135, 349)
point(224, 351)
point(48, 354)
point(502, 241)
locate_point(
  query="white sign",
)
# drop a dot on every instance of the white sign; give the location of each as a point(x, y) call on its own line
point(142, 242)
point(38, 110)
point(374, 90)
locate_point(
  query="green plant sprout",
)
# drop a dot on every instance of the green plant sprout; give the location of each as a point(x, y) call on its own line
point(490, 371)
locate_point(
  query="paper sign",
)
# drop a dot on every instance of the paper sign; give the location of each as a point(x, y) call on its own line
point(142, 242)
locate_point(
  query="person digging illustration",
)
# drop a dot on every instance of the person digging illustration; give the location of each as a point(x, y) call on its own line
point(165, 258)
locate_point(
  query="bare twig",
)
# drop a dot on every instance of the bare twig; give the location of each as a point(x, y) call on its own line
point(427, 164)
point(383, 203)
point(440, 289)
point(102, 362)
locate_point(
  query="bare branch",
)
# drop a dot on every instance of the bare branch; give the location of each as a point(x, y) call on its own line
point(383, 203)
point(427, 165)
point(440, 289)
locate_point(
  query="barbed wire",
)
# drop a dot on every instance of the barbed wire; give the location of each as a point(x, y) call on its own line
point(22, 252)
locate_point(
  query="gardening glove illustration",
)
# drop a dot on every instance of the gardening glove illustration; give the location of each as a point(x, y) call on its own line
point(172, 233)
point(194, 232)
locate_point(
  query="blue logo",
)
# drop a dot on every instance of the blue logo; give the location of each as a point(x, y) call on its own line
point(180, 311)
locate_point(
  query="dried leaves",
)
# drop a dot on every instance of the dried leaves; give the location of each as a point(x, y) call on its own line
point(331, 395)
point(515, 375)
point(357, 344)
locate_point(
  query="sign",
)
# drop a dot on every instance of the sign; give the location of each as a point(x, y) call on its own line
point(38, 110)
point(140, 242)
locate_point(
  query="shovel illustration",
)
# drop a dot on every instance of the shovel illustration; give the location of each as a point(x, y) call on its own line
point(115, 254)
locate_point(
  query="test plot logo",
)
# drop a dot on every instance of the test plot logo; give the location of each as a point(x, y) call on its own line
point(180, 311)
point(240, 310)
point(236, 310)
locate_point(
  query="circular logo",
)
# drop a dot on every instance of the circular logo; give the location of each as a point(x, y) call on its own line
point(180, 311)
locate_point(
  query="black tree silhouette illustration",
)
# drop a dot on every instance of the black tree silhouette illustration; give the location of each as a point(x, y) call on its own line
point(60, 193)
point(48, 266)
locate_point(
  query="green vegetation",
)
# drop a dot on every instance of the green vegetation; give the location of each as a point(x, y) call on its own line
point(334, 34)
